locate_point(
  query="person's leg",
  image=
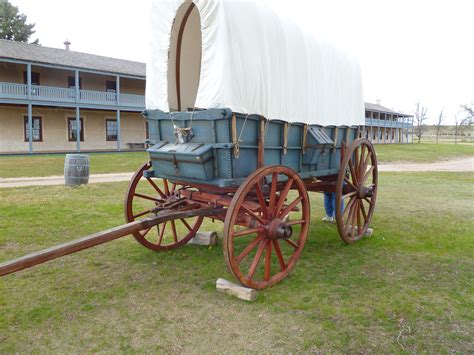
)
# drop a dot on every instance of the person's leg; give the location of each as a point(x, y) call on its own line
point(328, 204)
point(333, 204)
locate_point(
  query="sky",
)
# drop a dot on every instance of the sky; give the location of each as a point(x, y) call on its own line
point(409, 50)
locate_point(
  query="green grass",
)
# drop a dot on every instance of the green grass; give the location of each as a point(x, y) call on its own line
point(406, 288)
point(422, 153)
point(53, 164)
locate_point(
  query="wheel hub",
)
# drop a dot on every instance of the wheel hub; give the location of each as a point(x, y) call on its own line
point(277, 229)
point(364, 191)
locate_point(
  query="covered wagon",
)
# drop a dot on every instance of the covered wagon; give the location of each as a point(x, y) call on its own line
point(246, 114)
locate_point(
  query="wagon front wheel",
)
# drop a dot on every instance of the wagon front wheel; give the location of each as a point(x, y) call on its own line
point(266, 226)
point(144, 198)
point(356, 190)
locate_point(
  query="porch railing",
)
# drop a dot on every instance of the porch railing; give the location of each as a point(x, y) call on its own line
point(388, 123)
point(66, 95)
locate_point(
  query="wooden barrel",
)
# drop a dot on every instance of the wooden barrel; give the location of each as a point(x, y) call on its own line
point(76, 169)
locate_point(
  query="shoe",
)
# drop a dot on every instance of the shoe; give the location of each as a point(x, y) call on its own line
point(328, 219)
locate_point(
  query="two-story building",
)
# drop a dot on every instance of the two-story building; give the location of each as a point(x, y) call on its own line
point(383, 125)
point(60, 100)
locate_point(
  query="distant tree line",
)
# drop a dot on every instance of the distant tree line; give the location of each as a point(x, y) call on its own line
point(420, 117)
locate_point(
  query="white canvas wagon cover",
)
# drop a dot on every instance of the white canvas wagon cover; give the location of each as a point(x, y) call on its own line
point(244, 56)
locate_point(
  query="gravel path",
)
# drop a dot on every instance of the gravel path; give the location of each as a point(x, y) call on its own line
point(59, 180)
point(466, 164)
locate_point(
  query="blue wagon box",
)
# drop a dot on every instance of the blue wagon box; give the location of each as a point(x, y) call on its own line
point(220, 147)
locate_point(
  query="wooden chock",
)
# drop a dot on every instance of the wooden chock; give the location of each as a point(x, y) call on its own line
point(241, 292)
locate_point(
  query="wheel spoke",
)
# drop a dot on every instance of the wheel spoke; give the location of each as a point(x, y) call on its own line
point(256, 259)
point(167, 189)
point(261, 200)
point(359, 224)
point(157, 189)
point(292, 243)
point(141, 214)
point(173, 229)
point(267, 261)
point(369, 201)
point(348, 206)
point(248, 249)
point(279, 255)
point(252, 214)
point(162, 233)
point(361, 162)
point(367, 174)
point(349, 194)
point(291, 223)
point(291, 206)
point(186, 224)
point(350, 183)
point(354, 219)
point(248, 231)
point(173, 187)
point(353, 173)
point(349, 218)
point(273, 193)
point(356, 163)
point(364, 213)
point(146, 231)
point(147, 197)
point(283, 195)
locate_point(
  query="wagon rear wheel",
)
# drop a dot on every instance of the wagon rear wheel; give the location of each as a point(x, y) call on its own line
point(144, 198)
point(356, 190)
point(266, 226)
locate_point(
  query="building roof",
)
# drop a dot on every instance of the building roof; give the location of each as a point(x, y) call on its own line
point(67, 58)
point(383, 109)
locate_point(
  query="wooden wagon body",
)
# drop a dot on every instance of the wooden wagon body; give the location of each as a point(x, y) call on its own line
point(223, 148)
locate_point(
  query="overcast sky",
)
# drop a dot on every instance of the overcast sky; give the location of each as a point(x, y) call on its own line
point(409, 50)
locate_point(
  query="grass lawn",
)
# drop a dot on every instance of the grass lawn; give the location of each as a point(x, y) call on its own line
point(53, 164)
point(422, 153)
point(407, 288)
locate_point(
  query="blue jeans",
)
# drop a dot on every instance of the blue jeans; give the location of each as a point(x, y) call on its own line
point(330, 204)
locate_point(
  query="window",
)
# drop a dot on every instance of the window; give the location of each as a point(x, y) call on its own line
point(35, 78)
point(71, 82)
point(147, 132)
point(110, 86)
point(37, 125)
point(72, 129)
point(111, 130)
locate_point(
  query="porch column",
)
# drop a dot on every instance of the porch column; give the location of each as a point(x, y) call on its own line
point(78, 113)
point(402, 129)
point(78, 128)
point(30, 128)
point(30, 109)
point(119, 135)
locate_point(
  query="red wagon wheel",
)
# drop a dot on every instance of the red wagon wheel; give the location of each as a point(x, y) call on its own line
point(144, 198)
point(266, 226)
point(356, 190)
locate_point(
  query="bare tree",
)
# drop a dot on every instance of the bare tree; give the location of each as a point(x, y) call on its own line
point(438, 125)
point(456, 129)
point(419, 119)
point(469, 111)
